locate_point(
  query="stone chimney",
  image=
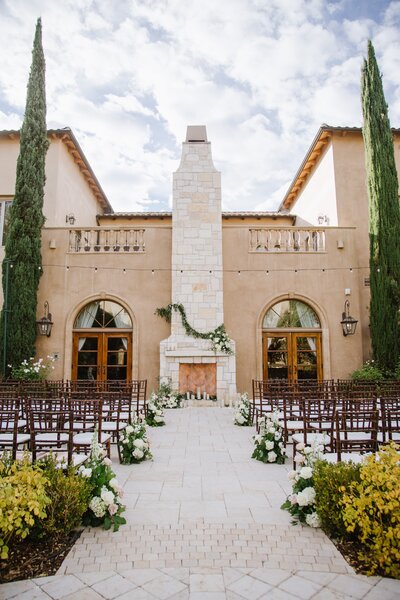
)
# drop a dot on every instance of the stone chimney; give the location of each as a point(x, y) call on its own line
point(197, 278)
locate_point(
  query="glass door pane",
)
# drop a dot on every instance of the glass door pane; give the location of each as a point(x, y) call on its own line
point(276, 357)
point(306, 356)
point(87, 357)
point(116, 358)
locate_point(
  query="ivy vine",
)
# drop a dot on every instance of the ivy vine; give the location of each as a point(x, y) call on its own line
point(218, 337)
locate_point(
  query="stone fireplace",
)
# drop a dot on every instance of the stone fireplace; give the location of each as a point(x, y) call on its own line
point(197, 275)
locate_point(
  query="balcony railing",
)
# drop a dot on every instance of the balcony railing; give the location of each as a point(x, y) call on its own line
point(287, 239)
point(100, 239)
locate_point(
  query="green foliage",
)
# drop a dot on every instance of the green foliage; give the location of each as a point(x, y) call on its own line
point(165, 397)
point(69, 495)
point(330, 482)
point(220, 340)
point(133, 444)
point(368, 372)
point(384, 219)
point(371, 511)
point(23, 500)
point(23, 243)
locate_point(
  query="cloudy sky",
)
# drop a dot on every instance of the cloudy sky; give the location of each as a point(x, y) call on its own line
point(128, 76)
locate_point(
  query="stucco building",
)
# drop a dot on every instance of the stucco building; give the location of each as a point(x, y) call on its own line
point(277, 280)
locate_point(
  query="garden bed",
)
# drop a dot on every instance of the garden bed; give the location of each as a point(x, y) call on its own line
point(36, 558)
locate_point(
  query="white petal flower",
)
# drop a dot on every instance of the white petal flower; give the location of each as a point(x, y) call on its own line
point(306, 472)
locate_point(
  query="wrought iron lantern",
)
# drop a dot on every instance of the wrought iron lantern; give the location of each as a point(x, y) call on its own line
point(44, 325)
point(348, 323)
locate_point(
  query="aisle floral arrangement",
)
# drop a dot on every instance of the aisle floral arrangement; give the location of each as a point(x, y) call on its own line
point(133, 444)
point(105, 506)
point(269, 446)
point(243, 415)
point(155, 413)
point(301, 502)
point(166, 397)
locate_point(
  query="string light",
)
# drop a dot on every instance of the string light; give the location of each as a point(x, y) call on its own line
point(207, 271)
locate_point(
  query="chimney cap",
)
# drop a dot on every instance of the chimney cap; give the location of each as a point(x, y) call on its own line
point(196, 133)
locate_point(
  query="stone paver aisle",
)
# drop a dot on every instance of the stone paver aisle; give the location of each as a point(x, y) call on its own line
point(204, 523)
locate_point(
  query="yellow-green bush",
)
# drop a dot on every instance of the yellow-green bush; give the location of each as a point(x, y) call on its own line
point(330, 482)
point(69, 494)
point(23, 500)
point(371, 510)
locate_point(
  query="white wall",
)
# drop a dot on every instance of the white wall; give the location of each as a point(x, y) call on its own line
point(318, 196)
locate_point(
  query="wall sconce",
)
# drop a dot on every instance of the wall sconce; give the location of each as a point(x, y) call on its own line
point(44, 325)
point(70, 219)
point(348, 323)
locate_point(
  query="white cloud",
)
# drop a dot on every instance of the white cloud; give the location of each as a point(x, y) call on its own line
point(128, 77)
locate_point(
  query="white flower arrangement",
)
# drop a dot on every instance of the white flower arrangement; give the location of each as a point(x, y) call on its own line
point(242, 415)
point(301, 502)
point(220, 341)
point(31, 370)
point(133, 443)
point(165, 397)
point(105, 506)
point(269, 443)
point(155, 413)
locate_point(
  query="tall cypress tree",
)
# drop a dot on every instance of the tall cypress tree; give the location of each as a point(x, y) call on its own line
point(384, 218)
point(23, 260)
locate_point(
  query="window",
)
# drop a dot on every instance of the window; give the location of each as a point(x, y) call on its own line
point(291, 313)
point(4, 219)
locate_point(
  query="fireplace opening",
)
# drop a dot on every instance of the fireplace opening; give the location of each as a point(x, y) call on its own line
point(198, 379)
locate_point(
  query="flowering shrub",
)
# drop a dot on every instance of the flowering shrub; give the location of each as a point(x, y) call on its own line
point(155, 413)
point(23, 500)
point(105, 506)
point(368, 372)
point(243, 416)
point(31, 370)
point(269, 446)
point(371, 510)
point(301, 502)
point(220, 340)
point(133, 444)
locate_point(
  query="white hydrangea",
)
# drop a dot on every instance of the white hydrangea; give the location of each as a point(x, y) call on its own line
point(313, 520)
point(137, 453)
point(239, 418)
point(306, 472)
point(306, 497)
point(138, 443)
point(129, 429)
point(85, 472)
point(158, 419)
point(113, 483)
point(97, 506)
point(269, 445)
point(107, 496)
point(271, 456)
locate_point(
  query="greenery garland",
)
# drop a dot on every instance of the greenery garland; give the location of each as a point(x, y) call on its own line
point(218, 337)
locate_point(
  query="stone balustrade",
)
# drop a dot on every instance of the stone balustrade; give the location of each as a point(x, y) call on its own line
point(106, 239)
point(287, 239)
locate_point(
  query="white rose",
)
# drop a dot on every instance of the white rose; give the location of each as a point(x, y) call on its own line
point(239, 418)
point(306, 472)
point(129, 429)
point(138, 454)
point(158, 419)
point(271, 456)
point(269, 445)
point(257, 439)
point(300, 447)
point(292, 475)
point(107, 496)
point(277, 435)
point(308, 450)
point(299, 459)
point(139, 443)
point(271, 429)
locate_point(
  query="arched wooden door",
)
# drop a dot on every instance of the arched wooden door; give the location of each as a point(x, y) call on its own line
point(102, 343)
point(292, 342)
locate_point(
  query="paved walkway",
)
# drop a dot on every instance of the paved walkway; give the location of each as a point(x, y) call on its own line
point(204, 523)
